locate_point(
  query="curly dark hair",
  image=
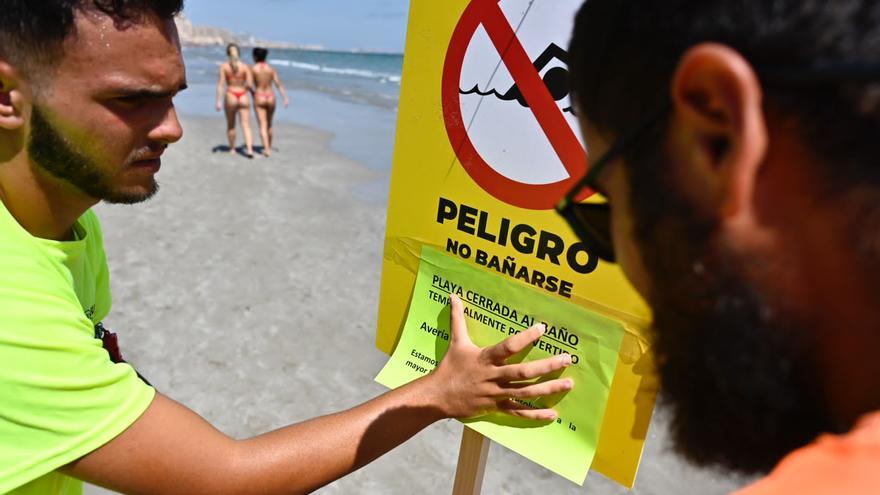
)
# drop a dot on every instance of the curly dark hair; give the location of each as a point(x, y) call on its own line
point(32, 32)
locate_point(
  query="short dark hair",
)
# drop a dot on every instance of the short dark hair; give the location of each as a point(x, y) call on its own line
point(32, 32)
point(624, 53)
point(260, 54)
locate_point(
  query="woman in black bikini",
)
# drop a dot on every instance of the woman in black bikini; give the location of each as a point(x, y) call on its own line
point(239, 80)
point(264, 96)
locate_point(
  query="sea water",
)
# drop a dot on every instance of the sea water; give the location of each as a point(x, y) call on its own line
point(352, 95)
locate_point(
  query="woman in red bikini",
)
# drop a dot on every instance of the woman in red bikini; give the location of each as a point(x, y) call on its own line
point(264, 96)
point(239, 80)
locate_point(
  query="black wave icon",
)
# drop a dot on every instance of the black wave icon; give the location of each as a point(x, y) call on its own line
point(556, 80)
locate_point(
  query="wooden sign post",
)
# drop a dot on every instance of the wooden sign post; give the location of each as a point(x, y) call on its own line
point(471, 463)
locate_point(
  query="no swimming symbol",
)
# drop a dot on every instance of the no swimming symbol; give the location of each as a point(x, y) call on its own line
point(526, 154)
point(556, 80)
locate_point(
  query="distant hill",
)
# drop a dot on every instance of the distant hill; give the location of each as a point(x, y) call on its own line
point(192, 35)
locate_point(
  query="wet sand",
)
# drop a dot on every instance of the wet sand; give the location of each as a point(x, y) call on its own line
point(248, 290)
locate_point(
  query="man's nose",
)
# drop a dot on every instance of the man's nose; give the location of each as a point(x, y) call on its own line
point(169, 129)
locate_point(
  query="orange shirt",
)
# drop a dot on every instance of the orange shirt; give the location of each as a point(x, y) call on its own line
point(834, 464)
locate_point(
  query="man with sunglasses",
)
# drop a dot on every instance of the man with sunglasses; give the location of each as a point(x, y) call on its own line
point(736, 143)
point(86, 112)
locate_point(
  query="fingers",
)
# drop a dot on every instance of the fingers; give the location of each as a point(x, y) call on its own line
point(533, 369)
point(527, 391)
point(458, 324)
point(514, 408)
point(512, 345)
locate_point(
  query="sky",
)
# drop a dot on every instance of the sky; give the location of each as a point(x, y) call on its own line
point(376, 25)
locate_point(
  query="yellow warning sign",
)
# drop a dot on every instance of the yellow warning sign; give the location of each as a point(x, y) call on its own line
point(487, 143)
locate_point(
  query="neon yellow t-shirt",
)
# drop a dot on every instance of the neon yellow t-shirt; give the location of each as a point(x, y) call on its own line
point(60, 395)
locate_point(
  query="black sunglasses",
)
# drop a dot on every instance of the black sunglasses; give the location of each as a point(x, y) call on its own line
point(591, 222)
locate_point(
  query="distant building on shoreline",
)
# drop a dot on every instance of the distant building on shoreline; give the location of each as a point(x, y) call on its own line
point(192, 35)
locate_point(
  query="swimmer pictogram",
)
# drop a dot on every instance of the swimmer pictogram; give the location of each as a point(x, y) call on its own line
point(556, 80)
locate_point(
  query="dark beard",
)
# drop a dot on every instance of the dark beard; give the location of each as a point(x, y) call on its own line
point(736, 366)
point(50, 150)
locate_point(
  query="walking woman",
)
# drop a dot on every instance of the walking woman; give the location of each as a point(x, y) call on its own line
point(238, 81)
point(264, 96)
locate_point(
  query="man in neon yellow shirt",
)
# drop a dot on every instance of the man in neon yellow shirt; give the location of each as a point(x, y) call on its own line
point(86, 112)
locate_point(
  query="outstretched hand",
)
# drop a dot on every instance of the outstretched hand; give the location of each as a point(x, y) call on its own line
point(182, 450)
point(472, 381)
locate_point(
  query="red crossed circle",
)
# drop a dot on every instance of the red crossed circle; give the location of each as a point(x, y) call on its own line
point(561, 136)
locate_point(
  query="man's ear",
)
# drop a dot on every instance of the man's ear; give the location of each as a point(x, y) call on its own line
point(720, 136)
point(12, 98)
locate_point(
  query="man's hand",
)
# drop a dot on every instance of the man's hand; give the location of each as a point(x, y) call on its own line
point(176, 451)
point(471, 381)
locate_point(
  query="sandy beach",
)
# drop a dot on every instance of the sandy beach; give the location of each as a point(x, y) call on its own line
point(247, 290)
